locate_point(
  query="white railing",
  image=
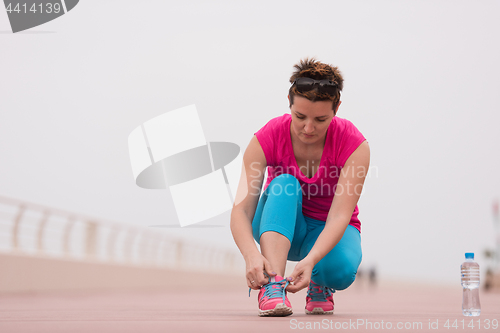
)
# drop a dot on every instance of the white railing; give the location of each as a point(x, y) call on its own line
point(31, 229)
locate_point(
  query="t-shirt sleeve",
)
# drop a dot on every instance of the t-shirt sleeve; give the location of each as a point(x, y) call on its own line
point(266, 136)
point(350, 141)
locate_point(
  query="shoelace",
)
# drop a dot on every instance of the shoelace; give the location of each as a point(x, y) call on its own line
point(271, 291)
point(328, 291)
point(318, 293)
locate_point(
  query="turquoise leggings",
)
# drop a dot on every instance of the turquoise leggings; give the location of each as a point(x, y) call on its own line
point(280, 210)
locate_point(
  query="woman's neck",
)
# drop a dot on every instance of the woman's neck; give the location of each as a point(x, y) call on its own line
point(299, 146)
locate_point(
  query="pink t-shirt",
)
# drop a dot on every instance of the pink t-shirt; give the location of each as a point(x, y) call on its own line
point(342, 139)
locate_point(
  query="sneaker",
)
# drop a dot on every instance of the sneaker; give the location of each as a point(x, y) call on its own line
point(319, 299)
point(272, 298)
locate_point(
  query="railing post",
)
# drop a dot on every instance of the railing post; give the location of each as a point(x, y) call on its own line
point(179, 254)
point(41, 229)
point(167, 252)
point(228, 259)
point(91, 240)
point(129, 245)
point(67, 233)
point(153, 251)
point(147, 250)
point(212, 258)
point(15, 227)
point(111, 243)
point(143, 249)
point(232, 262)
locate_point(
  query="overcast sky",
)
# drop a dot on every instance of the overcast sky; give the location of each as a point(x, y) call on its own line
point(421, 83)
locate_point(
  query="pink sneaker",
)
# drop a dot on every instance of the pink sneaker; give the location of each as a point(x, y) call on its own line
point(319, 299)
point(272, 298)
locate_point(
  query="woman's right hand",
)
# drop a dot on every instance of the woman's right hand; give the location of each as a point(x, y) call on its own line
point(257, 268)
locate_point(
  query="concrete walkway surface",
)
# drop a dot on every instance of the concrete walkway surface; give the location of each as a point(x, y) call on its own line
point(195, 307)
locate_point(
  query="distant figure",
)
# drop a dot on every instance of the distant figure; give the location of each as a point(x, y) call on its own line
point(488, 280)
point(373, 276)
point(317, 164)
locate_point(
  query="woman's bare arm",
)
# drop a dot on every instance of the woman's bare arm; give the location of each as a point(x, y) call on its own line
point(245, 204)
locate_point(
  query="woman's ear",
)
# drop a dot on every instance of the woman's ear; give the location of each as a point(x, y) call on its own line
point(337, 108)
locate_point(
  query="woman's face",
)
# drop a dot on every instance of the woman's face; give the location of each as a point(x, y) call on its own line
point(310, 120)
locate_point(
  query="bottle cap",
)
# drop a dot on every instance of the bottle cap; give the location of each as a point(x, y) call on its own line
point(469, 255)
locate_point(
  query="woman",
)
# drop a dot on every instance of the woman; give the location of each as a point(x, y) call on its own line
point(317, 165)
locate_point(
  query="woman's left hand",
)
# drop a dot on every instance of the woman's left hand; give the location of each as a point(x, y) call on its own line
point(301, 276)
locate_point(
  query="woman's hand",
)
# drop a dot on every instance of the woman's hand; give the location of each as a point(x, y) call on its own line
point(257, 268)
point(301, 275)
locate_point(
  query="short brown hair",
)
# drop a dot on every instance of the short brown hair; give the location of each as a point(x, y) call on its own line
point(311, 68)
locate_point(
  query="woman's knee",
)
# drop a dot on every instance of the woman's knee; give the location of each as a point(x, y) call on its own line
point(337, 276)
point(344, 278)
point(285, 184)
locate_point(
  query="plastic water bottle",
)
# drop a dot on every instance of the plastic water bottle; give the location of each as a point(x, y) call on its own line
point(470, 284)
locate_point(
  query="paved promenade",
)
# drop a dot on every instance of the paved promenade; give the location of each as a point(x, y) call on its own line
point(195, 307)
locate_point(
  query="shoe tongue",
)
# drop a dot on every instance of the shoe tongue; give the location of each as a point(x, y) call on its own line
point(276, 278)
